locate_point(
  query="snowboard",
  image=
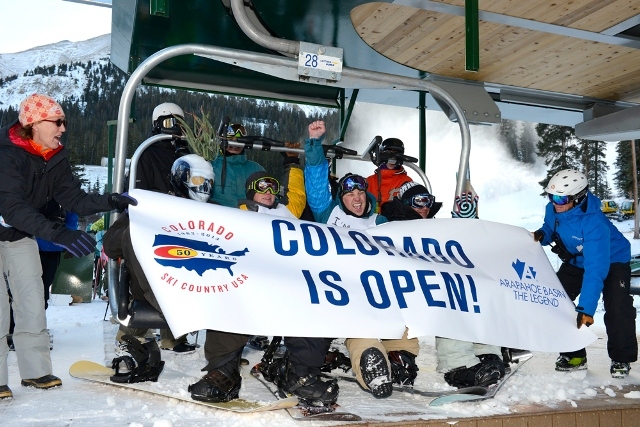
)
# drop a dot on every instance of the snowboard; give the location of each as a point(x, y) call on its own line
point(475, 390)
point(309, 413)
point(95, 372)
point(490, 391)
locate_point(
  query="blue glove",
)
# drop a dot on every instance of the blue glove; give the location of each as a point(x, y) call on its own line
point(120, 202)
point(77, 242)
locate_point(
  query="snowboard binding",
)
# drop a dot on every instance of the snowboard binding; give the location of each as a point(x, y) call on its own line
point(142, 363)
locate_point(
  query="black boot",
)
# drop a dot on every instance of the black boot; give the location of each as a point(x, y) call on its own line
point(375, 372)
point(310, 389)
point(219, 385)
point(403, 367)
point(482, 374)
point(335, 359)
point(139, 363)
point(493, 359)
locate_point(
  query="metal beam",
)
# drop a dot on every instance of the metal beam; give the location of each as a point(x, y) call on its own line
point(619, 126)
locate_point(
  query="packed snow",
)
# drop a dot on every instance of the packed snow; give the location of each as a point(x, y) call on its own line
point(509, 193)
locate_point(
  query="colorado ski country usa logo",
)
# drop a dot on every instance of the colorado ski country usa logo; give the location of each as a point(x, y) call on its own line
point(178, 251)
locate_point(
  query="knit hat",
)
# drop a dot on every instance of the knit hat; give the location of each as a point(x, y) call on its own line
point(410, 189)
point(38, 107)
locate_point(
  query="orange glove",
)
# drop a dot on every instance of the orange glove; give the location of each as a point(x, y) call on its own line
point(538, 235)
point(584, 319)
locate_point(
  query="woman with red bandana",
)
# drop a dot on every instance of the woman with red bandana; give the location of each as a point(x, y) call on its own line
point(34, 169)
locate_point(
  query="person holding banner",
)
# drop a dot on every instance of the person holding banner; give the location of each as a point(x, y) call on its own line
point(34, 168)
point(299, 371)
point(595, 261)
point(463, 363)
point(353, 207)
point(191, 178)
point(153, 173)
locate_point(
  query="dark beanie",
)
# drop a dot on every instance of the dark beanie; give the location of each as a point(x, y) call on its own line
point(253, 177)
point(410, 189)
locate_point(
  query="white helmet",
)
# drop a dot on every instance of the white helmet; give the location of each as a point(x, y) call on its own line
point(166, 109)
point(568, 182)
point(192, 177)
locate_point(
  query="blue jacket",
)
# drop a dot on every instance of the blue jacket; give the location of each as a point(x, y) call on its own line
point(586, 231)
point(316, 181)
point(238, 169)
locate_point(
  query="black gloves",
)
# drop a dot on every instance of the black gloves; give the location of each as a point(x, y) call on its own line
point(76, 242)
point(120, 202)
point(289, 157)
point(538, 235)
point(584, 319)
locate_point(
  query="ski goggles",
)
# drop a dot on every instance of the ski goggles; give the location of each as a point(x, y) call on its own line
point(419, 201)
point(236, 131)
point(353, 182)
point(265, 185)
point(559, 200)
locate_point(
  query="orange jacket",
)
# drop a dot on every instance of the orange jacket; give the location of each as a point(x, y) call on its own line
point(390, 182)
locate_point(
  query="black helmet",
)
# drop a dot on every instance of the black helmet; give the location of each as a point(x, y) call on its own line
point(388, 149)
point(192, 177)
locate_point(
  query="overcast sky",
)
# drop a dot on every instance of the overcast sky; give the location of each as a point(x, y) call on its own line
point(30, 23)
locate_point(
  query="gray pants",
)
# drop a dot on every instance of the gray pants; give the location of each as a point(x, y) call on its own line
point(20, 262)
point(454, 353)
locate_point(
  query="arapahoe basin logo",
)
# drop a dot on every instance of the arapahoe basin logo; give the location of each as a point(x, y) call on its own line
point(194, 255)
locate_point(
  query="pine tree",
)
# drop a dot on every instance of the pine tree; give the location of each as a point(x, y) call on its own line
point(623, 176)
point(509, 136)
point(559, 147)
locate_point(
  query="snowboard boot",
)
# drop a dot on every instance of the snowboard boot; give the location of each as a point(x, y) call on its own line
point(335, 359)
point(375, 373)
point(620, 369)
point(43, 383)
point(259, 342)
point(567, 364)
point(494, 359)
point(140, 363)
point(403, 367)
point(220, 385)
point(482, 374)
point(182, 348)
point(311, 390)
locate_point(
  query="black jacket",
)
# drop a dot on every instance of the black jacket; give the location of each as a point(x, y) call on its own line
point(28, 182)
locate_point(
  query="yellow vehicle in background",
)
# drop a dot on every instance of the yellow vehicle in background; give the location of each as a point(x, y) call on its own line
point(626, 211)
point(609, 207)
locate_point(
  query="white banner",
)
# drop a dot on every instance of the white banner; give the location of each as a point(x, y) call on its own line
point(213, 267)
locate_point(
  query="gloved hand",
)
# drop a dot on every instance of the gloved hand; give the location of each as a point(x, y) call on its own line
point(77, 242)
point(120, 202)
point(538, 235)
point(584, 319)
point(289, 157)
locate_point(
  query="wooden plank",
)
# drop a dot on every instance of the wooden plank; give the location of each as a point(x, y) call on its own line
point(540, 420)
point(564, 420)
point(587, 419)
point(611, 418)
point(630, 417)
point(489, 422)
point(383, 20)
point(515, 421)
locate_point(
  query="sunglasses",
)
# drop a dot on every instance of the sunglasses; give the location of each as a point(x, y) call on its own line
point(265, 185)
point(353, 182)
point(559, 200)
point(420, 201)
point(58, 122)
